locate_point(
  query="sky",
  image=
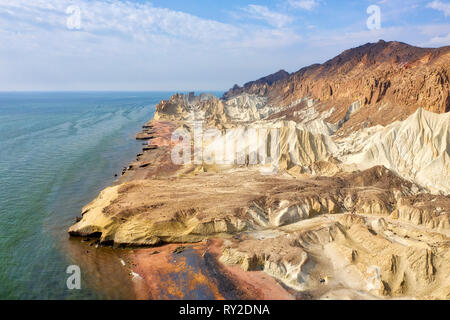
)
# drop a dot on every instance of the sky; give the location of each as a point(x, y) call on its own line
point(203, 45)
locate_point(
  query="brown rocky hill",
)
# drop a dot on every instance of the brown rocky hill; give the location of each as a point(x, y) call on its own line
point(390, 80)
point(259, 86)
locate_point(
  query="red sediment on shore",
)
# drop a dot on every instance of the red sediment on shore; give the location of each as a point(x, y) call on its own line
point(165, 275)
point(163, 133)
point(193, 271)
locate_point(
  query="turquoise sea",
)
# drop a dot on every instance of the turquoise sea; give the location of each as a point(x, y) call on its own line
point(57, 152)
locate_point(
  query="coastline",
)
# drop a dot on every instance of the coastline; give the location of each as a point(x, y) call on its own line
point(71, 146)
point(303, 182)
point(182, 270)
point(157, 208)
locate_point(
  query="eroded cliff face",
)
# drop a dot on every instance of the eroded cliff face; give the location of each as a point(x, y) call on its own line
point(340, 187)
point(415, 148)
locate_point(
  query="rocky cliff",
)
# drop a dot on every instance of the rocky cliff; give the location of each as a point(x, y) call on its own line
point(333, 180)
point(390, 79)
point(259, 87)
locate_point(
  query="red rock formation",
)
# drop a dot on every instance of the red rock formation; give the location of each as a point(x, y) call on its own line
point(390, 79)
point(259, 86)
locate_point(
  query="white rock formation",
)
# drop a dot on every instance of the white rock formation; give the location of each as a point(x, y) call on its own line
point(248, 108)
point(417, 149)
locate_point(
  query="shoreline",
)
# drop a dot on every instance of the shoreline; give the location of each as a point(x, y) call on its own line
point(151, 267)
point(308, 209)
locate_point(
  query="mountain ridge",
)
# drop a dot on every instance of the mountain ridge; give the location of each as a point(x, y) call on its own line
point(379, 75)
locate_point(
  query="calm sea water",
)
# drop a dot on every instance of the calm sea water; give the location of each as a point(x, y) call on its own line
point(57, 152)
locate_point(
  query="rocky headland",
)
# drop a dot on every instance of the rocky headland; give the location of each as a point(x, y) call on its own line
point(328, 183)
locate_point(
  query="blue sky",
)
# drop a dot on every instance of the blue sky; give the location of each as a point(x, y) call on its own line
point(192, 45)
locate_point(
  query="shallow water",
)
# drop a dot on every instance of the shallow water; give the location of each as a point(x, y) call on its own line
point(57, 152)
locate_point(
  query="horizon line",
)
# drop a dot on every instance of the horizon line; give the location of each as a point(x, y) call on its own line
point(106, 91)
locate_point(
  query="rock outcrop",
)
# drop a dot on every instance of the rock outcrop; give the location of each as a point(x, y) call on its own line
point(417, 149)
point(391, 79)
point(258, 87)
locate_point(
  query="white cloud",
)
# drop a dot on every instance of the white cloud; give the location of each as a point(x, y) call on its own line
point(435, 34)
point(276, 19)
point(132, 21)
point(304, 4)
point(433, 30)
point(444, 40)
point(125, 45)
point(129, 46)
point(441, 6)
